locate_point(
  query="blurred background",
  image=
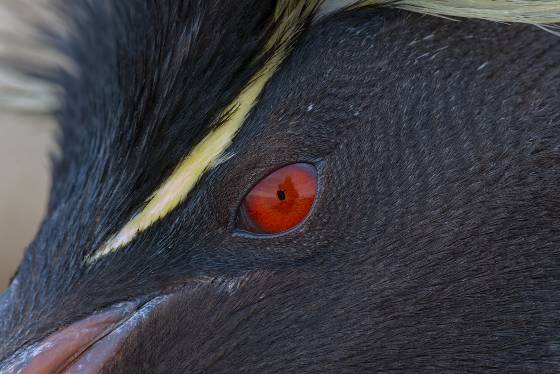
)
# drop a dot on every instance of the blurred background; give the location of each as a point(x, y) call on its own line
point(25, 138)
point(24, 167)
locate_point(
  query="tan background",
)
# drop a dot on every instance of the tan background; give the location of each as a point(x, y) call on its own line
point(24, 168)
point(24, 143)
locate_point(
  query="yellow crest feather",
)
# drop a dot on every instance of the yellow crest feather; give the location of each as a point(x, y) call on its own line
point(290, 16)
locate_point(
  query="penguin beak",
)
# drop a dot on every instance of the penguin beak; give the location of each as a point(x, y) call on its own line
point(84, 346)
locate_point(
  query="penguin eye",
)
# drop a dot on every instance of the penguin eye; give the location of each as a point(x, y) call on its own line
point(280, 201)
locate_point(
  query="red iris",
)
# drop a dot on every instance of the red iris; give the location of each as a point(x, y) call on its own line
point(281, 200)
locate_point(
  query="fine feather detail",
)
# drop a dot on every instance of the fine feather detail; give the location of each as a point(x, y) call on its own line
point(23, 94)
point(289, 19)
point(537, 12)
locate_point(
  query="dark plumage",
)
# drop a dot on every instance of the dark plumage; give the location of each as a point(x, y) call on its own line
point(433, 244)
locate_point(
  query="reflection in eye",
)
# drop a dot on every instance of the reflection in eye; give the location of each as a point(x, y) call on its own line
point(280, 201)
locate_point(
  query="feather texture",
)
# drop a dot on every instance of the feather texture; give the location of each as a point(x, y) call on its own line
point(289, 19)
point(538, 12)
point(37, 96)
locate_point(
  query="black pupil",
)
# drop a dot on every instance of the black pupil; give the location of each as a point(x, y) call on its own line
point(281, 195)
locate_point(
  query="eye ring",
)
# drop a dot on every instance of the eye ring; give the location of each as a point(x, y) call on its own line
point(279, 202)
